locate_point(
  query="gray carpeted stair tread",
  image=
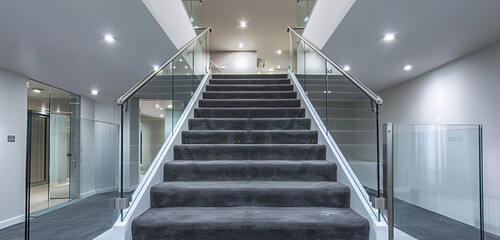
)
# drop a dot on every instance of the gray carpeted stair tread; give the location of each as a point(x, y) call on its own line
point(250, 95)
point(254, 103)
point(249, 124)
point(250, 193)
point(270, 170)
point(250, 87)
point(249, 112)
point(250, 152)
point(250, 223)
point(249, 81)
point(249, 137)
point(247, 76)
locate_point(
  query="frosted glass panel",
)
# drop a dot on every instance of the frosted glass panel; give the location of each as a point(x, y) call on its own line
point(437, 173)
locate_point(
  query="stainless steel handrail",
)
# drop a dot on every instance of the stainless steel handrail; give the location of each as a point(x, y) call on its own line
point(215, 65)
point(355, 81)
point(140, 84)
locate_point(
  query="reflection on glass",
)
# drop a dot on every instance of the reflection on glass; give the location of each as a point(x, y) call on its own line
point(99, 165)
point(193, 8)
point(151, 115)
point(437, 180)
point(304, 10)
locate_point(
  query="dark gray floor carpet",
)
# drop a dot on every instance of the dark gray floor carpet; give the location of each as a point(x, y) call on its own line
point(85, 219)
point(249, 167)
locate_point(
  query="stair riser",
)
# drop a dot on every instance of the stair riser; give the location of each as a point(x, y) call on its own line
point(248, 103)
point(249, 81)
point(251, 232)
point(248, 76)
point(249, 170)
point(250, 87)
point(176, 196)
point(249, 113)
point(248, 152)
point(254, 124)
point(250, 95)
point(247, 223)
point(262, 137)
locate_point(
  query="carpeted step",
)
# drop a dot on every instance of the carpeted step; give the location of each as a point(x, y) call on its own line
point(247, 76)
point(270, 170)
point(250, 223)
point(250, 87)
point(250, 95)
point(249, 124)
point(235, 103)
point(249, 193)
point(249, 137)
point(249, 112)
point(250, 152)
point(249, 81)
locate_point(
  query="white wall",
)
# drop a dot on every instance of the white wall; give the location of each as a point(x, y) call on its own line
point(236, 62)
point(173, 19)
point(464, 91)
point(318, 31)
point(13, 120)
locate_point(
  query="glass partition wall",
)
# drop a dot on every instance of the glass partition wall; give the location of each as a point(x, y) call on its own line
point(72, 168)
point(151, 113)
point(347, 112)
point(193, 9)
point(304, 10)
point(54, 174)
point(438, 181)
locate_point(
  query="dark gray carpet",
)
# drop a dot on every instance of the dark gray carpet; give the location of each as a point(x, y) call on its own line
point(85, 219)
point(249, 167)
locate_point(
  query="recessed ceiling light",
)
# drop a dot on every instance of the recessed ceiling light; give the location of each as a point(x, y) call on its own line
point(180, 60)
point(94, 92)
point(157, 105)
point(222, 67)
point(408, 67)
point(155, 67)
point(278, 51)
point(389, 37)
point(186, 67)
point(109, 38)
point(306, 19)
point(161, 115)
point(278, 66)
point(175, 67)
point(243, 24)
point(191, 19)
point(169, 106)
point(346, 68)
point(240, 45)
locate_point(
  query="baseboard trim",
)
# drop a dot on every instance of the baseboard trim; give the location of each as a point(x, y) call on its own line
point(11, 221)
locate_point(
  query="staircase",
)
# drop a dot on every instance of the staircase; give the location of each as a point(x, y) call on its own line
point(250, 168)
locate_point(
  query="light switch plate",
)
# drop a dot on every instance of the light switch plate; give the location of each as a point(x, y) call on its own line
point(11, 138)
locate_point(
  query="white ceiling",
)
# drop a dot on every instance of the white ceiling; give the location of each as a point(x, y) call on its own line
point(61, 43)
point(429, 33)
point(266, 31)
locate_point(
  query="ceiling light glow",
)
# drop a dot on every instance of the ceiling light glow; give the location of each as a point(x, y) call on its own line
point(243, 24)
point(156, 67)
point(109, 38)
point(278, 51)
point(94, 92)
point(408, 67)
point(389, 37)
point(169, 106)
point(240, 45)
point(346, 68)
